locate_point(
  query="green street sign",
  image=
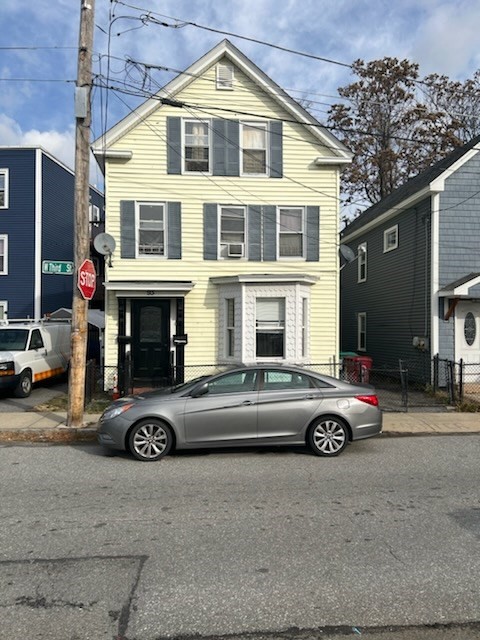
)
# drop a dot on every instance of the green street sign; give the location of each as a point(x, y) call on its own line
point(60, 267)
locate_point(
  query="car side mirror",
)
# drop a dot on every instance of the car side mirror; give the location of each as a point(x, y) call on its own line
point(200, 391)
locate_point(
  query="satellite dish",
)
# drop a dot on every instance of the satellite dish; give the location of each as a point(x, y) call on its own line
point(104, 243)
point(345, 252)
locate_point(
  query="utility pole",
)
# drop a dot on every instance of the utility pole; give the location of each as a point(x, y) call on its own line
point(76, 382)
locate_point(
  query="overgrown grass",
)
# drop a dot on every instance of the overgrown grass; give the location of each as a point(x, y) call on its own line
point(60, 403)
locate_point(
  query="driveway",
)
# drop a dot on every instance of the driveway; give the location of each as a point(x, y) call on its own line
point(39, 395)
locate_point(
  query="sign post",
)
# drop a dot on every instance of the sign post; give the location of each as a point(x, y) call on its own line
point(87, 279)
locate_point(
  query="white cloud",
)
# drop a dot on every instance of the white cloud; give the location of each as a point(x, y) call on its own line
point(60, 144)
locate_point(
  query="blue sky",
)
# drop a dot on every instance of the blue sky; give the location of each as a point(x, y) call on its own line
point(37, 84)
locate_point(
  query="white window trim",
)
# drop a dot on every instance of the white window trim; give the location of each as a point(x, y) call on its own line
point(282, 327)
point(304, 321)
point(4, 308)
point(7, 182)
point(219, 85)
point(209, 131)
point(5, 255)
point(361, 259)
point(143, 256)
point(385, 235)
point(361, 315)
point(229, 328)
point(219, 232)
point(279, 231)
point(256, 123)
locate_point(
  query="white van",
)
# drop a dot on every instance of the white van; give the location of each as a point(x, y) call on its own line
point(31, 352)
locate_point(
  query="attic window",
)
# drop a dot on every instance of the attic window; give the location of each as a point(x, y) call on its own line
point(224, 76)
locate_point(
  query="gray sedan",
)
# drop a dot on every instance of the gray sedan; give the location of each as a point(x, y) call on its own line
point(251, 405)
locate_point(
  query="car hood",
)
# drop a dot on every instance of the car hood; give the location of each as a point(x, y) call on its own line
point(5, 356)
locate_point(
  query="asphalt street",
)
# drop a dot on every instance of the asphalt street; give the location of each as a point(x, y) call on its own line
point(381, 541)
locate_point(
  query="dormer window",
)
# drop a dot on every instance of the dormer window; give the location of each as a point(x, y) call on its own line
point(224, 76)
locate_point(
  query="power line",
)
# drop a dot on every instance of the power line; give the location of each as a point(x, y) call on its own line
point(149, 18)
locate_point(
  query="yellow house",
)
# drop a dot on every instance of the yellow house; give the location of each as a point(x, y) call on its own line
point(222, 195)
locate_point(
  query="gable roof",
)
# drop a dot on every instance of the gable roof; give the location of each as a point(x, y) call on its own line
point(225, 48)
point(428, 181)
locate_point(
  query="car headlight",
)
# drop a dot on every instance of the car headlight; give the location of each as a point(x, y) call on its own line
point(7, 368)
point(113, 412)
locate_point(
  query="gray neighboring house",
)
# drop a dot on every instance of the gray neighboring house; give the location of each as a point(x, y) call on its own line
point(413, 290)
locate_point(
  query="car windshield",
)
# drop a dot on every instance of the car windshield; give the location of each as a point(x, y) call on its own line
point(13, 339)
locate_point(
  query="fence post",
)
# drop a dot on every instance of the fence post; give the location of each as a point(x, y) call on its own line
point(435, 372)
point(404, 384)
point(460, 379)
point(451, 380)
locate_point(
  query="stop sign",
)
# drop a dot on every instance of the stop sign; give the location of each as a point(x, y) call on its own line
point(87, 279)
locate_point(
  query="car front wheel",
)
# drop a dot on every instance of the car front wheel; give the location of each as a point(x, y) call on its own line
point(328, 436)
point(150, 440)
point(24, 386)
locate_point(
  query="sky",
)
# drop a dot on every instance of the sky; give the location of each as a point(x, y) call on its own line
point(38, 51)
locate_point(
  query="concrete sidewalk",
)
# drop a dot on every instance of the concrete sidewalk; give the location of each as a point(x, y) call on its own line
point(33, 426)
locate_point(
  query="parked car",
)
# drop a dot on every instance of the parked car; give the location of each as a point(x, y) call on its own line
point(32, 352)
point(250, 405)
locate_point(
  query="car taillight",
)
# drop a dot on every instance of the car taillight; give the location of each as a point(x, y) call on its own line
point(373, 400)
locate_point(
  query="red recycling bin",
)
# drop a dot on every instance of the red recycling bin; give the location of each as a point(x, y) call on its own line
point(357, 368)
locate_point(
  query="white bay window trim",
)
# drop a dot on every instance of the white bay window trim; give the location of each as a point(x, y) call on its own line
point(362, 262)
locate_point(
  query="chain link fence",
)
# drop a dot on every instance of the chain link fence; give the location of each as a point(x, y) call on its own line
point(399, 387)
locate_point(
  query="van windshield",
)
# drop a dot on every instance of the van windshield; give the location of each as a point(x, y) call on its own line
point(13, 339)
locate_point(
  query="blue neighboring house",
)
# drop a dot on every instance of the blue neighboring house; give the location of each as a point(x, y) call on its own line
point(413, 291)
point(37, 225)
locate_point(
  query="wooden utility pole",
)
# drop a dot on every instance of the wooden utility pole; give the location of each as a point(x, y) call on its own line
point(76, 383)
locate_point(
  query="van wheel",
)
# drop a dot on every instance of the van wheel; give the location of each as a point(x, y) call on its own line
point(24, 386)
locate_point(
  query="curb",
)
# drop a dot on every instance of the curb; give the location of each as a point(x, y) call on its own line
point(58, 435)
point(408, 434)
point(88, 434)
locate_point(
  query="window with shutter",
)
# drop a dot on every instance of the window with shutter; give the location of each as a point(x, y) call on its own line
point(254, 148)
point(151, 229)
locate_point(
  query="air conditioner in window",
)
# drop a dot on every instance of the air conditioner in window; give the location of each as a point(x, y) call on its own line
point(235, 250)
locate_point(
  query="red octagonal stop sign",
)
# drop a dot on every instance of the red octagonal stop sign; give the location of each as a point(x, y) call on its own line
point(87, 279)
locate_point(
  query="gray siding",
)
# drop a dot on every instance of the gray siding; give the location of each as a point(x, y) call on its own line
point(459, 237)
point(396, 294)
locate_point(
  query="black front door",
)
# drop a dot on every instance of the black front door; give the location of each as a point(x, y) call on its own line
point(151, 340)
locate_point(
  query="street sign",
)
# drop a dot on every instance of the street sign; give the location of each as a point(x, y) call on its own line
point(61, 267)
point(87, 279)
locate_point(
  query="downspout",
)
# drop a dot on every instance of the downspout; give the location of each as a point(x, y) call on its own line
point(37, 292)
point(434, 275)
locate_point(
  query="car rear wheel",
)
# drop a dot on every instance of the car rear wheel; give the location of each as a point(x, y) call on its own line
point(150, 440)
point(24, 386)
point(328, 436)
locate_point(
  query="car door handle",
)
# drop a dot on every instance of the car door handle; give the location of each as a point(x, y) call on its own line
point(310, 396)
point(247, 402)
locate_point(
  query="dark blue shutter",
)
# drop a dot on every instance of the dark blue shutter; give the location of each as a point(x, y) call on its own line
point(127, 228)
point(226, 147)
point(174, 145)
point(269, 232)
point(174, 230)
point(210, 231)
point(276, 149)
point(254, 235)
point(313, 234)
